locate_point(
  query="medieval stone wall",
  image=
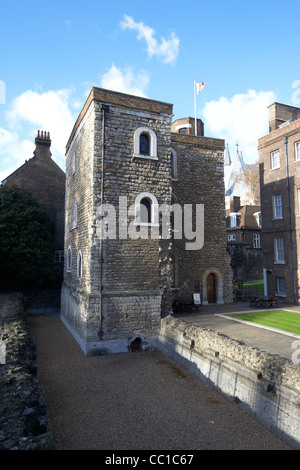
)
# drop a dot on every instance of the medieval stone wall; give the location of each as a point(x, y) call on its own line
point(200, 181)
point(265, 385)
point(119, 294)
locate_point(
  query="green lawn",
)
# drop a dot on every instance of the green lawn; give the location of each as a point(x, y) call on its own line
point(259, 285)
point(280, 319)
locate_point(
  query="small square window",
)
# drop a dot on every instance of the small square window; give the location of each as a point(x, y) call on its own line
point(256, 240)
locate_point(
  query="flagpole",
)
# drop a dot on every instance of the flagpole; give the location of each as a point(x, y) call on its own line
point(195, 106)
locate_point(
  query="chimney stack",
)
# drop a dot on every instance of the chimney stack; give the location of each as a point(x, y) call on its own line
point(42, 145)
point(235, 203)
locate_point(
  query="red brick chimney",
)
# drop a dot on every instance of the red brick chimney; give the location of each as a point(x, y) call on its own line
point(42, 145)
point(235, 203)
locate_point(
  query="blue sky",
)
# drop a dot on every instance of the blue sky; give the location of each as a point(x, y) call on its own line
point(52, 53)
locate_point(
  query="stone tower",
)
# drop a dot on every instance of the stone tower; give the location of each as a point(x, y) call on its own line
point(118, 158)
point(130, 176)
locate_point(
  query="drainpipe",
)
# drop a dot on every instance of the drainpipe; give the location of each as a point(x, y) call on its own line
point(265, 282)
point(104, 108)
point(290, 217)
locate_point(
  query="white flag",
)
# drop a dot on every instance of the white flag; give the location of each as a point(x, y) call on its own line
point(199, 86)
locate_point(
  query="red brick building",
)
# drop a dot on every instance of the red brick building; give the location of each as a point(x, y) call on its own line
point(243, 235)
point(279, 161)
point(41, 177)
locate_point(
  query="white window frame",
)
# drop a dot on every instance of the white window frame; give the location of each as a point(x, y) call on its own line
point(69, 259)
point(256, 240)
point(154, 210)
point(257, 216)
point(234, 219)
point(277, 206)
point(279, 251)
point(152, 143)
point(79, 265)
point(59, 256)
point(275, 159)
point(73, 218)
point(280, 283)
point(231, 238)
point(297, 151)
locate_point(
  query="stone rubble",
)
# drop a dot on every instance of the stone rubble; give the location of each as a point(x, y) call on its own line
point(23, 411)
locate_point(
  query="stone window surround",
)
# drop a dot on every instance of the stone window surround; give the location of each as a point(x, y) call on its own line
point(69, 259)
point(174, 165)
point(152, 143)
point(79, 264)
point(154, 210)
point(73, 219)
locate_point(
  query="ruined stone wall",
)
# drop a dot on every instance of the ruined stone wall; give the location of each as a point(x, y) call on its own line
point(266, 386)
point(200, 180)
point(23, 417)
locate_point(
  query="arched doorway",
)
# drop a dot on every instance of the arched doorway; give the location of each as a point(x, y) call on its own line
point(211, 288)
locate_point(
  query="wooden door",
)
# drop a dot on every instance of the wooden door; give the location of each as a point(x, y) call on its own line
point(211, 288)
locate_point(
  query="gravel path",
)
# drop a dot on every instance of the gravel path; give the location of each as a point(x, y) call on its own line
point(134, 401)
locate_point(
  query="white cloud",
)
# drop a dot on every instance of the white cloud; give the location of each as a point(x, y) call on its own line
point(167, 50)
point(49, 111)
point(242, 120)
point(125, 82)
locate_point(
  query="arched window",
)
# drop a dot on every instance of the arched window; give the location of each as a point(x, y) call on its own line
point(174, 164)
point(145, 143)
point(69, 259)
point(146, 210)
point(79, 264)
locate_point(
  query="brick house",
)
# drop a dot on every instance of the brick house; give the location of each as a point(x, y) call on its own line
point(126, 261)
point(279, 161)
point(41, 177)
point(243, 234)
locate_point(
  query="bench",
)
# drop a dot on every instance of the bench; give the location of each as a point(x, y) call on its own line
point(265, 302)
point(187, 304)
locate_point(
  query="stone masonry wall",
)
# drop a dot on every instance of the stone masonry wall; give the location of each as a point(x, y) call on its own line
point(79, 233)
point(125, 299)
point(201, 181)
point(23, 420)
point(266, 386)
